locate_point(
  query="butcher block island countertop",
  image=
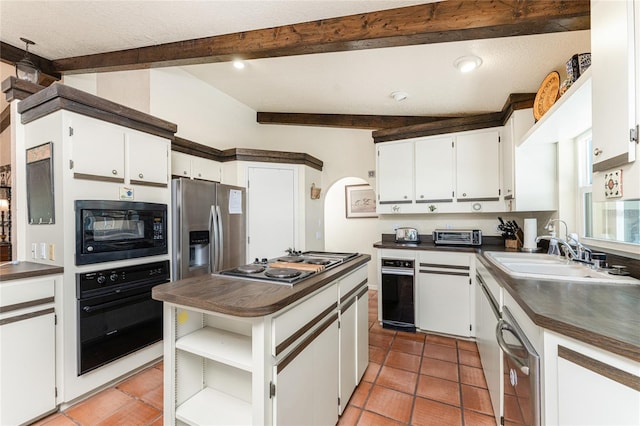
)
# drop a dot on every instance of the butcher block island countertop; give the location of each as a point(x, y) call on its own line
point(245, 297)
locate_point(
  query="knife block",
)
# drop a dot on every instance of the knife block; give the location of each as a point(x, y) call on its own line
point(512, 244)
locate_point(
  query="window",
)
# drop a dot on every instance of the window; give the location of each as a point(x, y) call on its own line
point(613, 221)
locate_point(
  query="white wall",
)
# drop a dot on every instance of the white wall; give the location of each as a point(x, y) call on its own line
point(350, 235)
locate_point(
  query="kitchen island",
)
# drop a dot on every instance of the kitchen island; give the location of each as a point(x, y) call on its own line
point(241, 351)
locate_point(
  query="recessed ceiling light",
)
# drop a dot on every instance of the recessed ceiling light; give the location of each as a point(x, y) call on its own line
point(467, 63)
point(399, 96)
point(238, 64)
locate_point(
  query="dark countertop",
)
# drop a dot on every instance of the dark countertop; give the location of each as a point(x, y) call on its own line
point(246, 297)
point(605, 316)
point(17, 270)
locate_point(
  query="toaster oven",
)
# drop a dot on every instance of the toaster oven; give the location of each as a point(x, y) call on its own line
point(460, 237)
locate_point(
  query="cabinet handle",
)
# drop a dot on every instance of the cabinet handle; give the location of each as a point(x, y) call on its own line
point(464, 194)
point(199, 174)
point(184, 173)
point(422, 196)
point(140, 175)
point(114, 172)
point(405, 197)
point(596, 152)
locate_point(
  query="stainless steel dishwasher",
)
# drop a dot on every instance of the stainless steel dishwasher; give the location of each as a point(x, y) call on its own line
point(522, 363)
point(398, 290)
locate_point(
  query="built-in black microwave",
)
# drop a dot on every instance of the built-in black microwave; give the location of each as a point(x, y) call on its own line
point(116, 230)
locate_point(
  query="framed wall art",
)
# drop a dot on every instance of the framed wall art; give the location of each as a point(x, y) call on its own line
point(360, 201)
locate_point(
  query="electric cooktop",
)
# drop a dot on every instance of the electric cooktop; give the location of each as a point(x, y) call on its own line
point(290, 269)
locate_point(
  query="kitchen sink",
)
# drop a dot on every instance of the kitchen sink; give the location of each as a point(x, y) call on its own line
point(544, 266)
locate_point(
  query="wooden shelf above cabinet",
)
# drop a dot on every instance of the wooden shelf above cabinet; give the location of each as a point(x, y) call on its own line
point(567, 118)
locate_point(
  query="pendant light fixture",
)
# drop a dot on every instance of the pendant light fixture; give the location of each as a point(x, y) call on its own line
point(25, 68)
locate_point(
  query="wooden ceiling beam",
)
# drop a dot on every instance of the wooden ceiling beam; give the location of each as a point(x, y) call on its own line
point(451, 20)
point(351, 121)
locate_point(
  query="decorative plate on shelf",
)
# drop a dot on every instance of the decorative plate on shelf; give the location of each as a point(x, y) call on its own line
point(547, 94)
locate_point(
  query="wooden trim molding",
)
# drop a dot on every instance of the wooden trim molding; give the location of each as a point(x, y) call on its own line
point(308, 326)
point(59, 96)
point(437, 22)
point(613, 162)
point(26, 316)
point(186, 146)
point(515, 101)
point(16, 89)
point(25, 305)
point(598, 367)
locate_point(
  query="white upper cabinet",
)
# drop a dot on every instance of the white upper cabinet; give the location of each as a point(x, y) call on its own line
point(434, 163)
point(148, 158)
point(478, 166)
point(97, 149)
point(109, 152)
point(395, 175)
point(439, 174)
point(530, 170)
point(613, 68)
point(190, 166)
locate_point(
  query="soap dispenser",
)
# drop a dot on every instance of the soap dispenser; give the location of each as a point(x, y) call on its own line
point(554, 250)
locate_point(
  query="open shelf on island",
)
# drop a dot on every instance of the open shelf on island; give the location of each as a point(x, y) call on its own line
point(219, 345)
point(567, 118)
point(212, 407)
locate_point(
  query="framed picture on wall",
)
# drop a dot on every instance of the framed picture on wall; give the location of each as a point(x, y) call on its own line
point(360, 201)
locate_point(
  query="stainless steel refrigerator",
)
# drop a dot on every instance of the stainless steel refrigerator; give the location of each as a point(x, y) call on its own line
point(209, 227)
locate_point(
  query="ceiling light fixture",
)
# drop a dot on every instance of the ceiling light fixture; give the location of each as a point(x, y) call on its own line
point(25, 68)
point(399, 96)
point(467, 63)
point(238, 64)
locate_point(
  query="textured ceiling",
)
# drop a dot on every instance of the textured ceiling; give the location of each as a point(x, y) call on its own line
point(356, 82)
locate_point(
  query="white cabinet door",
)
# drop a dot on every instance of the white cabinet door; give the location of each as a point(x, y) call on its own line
point(444, 293)
point(202, 168)
point(612, 63)
point(395, 173)
point(434, 170)
point(180, 164)
point(307, 387)
point(97, 149)
point(27, 362)
point(362, 335)
point(148, 158)
point(348, 353)
point(478, 166)
point(585, 385)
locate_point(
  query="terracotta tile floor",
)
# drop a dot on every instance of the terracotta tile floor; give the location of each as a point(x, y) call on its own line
point(412, 379)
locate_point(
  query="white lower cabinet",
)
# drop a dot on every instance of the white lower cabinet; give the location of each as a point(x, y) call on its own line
point(283, 369)
point(589, 386)
point(27, 358)
point(445, 293)
point(307, 386)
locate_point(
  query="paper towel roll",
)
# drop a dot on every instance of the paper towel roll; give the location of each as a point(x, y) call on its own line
point(530, 234)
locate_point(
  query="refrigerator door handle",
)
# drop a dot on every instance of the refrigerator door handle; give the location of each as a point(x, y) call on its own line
point(213, 232)
point(220, 239)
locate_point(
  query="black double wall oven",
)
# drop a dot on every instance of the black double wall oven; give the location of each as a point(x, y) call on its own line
point(115, 311)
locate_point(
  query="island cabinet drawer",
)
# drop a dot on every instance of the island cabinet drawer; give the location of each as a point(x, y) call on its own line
point(350, 283)
point(295, 322)
point(26, 293)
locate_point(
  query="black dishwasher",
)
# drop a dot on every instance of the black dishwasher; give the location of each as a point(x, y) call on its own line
point(398, 310)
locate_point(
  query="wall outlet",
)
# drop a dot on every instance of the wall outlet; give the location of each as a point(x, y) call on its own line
point(34, 249)
point(52, 252)
point(395, 227)
point(449, 226)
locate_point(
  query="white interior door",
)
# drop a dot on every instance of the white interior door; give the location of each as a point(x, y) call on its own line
point(271, 202)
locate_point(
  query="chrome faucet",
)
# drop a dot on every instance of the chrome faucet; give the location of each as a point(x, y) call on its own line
point(569, 253)
point(549, 227)
point(584, 253)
